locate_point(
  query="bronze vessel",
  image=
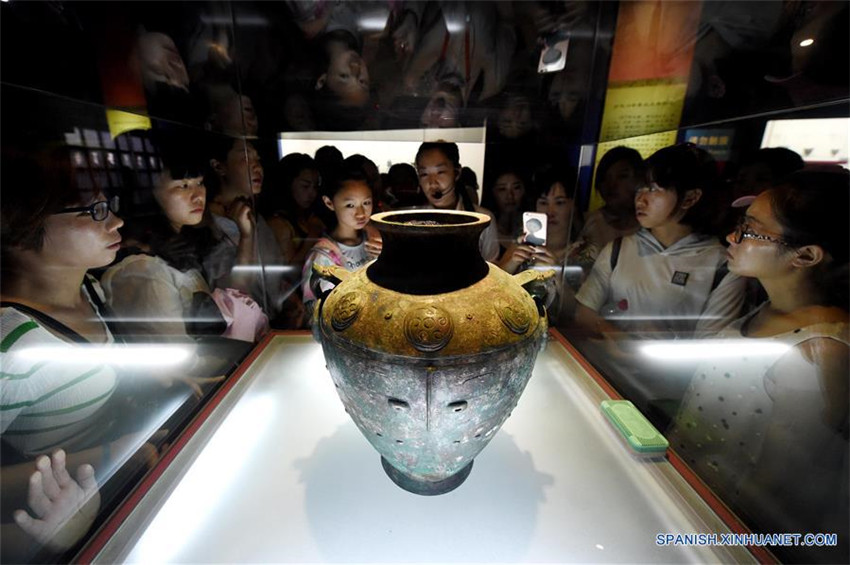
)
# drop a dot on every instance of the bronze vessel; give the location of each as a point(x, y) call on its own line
point(430, 347)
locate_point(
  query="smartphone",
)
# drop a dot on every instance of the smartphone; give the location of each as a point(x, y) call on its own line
point(553, 57)
point(534, 228)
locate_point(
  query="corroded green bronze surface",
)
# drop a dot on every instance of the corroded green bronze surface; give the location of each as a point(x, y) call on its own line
point(430, 379)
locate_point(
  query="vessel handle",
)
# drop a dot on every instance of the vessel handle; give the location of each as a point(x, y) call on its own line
point(531, 276)
point(537, 283)
point(331, 273)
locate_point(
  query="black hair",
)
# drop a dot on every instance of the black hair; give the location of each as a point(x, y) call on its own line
point(328, 157)
point(278, 199)
point(685, 167)
point(217, 147)
point(811, 205)
point(615, 155)
point(488, 198)
point(447, 148)
point(468, 177)
point(451, 152)
point(38, 181)
point(181, 154)
point(340, 36)
point(546, 177)
point(348, 172)
point(780, 160)
point(403, 181)
point(362, 162)
point(543, 181)
point(403, 174)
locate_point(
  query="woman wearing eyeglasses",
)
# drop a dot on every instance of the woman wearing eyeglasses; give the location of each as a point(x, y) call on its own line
point(52, 234)
point(767, 426)
point(52, 231)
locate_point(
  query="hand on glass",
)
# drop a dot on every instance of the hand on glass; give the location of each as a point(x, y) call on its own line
point(139, 450)
point(188, 378)
point(64, 508)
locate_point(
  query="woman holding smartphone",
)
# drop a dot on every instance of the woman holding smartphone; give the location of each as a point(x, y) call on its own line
point(552, 194)
point(545, 241)
point(507, 194)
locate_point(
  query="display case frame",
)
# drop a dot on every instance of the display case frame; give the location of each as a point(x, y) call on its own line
point(681, 493)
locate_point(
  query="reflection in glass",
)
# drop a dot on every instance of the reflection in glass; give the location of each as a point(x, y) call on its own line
point(223, 82)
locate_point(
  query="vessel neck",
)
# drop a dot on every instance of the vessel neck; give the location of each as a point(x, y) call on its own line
point(419, 261)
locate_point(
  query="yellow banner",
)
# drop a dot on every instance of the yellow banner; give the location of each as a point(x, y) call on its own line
point(648, 76)
point(638, 109)
point(121, 122)
point(632, 110)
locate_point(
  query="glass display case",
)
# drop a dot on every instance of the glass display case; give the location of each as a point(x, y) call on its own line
point(171, 172)
point(278, 472)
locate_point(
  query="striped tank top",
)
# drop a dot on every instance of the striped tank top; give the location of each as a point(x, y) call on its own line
point(47, 402)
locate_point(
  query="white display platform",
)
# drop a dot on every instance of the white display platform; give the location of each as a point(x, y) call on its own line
point(279, 473)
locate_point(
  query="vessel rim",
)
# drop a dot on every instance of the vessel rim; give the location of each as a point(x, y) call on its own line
point(382, 218)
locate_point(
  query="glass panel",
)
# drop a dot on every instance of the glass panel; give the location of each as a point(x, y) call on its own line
point(756, 57)
point(109, 356)
point(247, 141)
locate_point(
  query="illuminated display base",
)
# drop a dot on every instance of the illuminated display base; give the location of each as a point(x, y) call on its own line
point(280, 473)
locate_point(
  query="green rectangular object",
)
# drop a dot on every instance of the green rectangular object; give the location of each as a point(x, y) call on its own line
point(633, 426)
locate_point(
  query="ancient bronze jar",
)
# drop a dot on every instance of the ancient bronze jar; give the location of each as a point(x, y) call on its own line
point(430, 347)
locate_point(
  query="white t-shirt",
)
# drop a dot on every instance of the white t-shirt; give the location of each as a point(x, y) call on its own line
point(668, 287)
point(595, 235)
point(152, 295)
point(219, 263)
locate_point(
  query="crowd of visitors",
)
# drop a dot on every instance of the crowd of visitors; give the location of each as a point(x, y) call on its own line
point(209, 242)
point(212, 249)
